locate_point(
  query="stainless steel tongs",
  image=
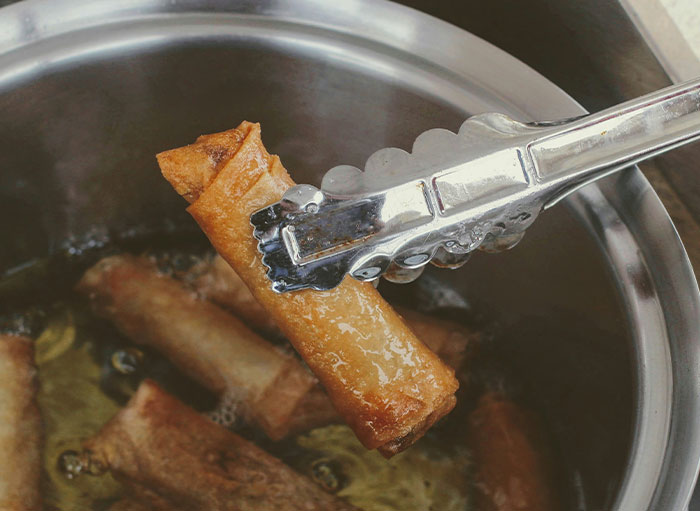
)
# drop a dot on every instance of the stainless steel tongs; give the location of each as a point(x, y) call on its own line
point(454, 193)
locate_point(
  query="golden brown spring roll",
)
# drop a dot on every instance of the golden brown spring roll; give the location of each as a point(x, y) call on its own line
point(218, 282)
point(215, 280)
point(386, 384)
point(20, 426)
point(205, 342)
point(513, 466)
point(158, 443)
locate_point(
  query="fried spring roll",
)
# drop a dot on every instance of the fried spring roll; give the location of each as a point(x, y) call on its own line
point(216, 281)
point(446, 339)
point(158, 443)
point(20, 426)
point(220, 283)
point(205, 342)
point(386, 384)
point(513, 469)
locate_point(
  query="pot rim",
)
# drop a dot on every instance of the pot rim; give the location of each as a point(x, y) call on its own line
point(625, 216)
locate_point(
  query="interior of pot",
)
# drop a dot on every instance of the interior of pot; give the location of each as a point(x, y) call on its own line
point(77, 167)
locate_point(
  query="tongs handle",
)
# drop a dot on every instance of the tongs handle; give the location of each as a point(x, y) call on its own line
point(597, 145)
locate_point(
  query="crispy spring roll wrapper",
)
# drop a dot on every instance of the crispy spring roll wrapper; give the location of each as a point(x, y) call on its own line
point(20, 426)
point(514, 469)
point(386, 384)
point(158, 443)
point(205, 342)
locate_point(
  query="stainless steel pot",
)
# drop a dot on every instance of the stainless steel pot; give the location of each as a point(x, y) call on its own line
point(599, 305)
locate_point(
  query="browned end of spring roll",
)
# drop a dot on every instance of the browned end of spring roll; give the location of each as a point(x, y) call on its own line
point(20, 426)
point(513, 464)
point(205, 342)
point(220, 284)
point(388, 387)
point(158, 443)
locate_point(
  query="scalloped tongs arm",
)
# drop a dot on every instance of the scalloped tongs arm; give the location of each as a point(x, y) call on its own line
point(478, 188)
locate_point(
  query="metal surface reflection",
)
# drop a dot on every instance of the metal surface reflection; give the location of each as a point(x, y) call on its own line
point(91, 94)
point(481, 187)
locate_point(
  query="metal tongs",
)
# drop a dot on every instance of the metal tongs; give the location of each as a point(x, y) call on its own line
point(479, 188)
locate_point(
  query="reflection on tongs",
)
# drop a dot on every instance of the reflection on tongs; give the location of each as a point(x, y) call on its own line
point(479, 188)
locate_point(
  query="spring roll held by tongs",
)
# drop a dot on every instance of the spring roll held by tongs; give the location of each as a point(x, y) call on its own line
point(215, 280)
point(385, 383)
point(456, 192)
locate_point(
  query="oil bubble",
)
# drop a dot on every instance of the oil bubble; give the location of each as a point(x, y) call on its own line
point(73, 463)
point(127, 361)
point(227, 410)
point(70, 464)
point(328, 475)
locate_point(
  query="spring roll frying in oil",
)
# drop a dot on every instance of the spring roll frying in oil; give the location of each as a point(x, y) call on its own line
point(513, 466)
point(205, 342)
point(158, 443)
point(20, 426)
point(386, 384)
